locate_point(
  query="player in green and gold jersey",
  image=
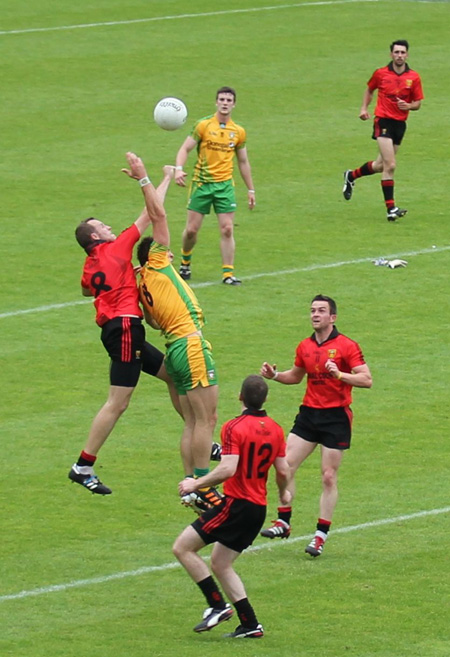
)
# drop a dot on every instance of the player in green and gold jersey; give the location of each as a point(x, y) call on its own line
point(170, 305)
point(218, 140)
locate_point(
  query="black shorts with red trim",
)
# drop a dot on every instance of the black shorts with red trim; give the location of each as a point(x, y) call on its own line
point(124, 340)
point(235, 523)
point(330, 427)
point(390, 128)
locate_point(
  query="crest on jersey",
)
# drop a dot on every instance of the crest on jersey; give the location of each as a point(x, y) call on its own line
point(409, 83)
point(332, 353)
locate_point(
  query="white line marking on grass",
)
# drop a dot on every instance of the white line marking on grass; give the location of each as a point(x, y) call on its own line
point(225, 12)
point(252, 277)
point(169, 566)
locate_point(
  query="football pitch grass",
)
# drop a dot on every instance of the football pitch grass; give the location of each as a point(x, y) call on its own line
point(82, 574)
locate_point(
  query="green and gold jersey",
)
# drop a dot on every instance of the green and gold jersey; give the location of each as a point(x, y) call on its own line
point(167, 298)
point(216, 146)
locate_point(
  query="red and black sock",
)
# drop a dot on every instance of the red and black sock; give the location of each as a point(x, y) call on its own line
point(212, 594)
point(388, 192)
point(323, 525)
point(285, 513)
point(246, 614)
point(364, 170)
point(86, 459)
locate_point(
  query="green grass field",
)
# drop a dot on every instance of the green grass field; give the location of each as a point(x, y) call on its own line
point(89, 575)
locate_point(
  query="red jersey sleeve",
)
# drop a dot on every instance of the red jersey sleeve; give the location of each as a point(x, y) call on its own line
point(374, 81)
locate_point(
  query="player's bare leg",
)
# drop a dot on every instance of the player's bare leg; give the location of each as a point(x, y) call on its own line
point(189, 240)
point(164, 376)
point(203, 402)
point(104, 422)
point(297, 450)
point(106, 419)
point(185, 549)
point(227, 247)
point(388, 152)
point(331, 460)
point(222, 559)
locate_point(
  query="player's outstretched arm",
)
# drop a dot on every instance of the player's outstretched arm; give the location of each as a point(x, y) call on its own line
point(226, 469)
point(161, 190)
point(288, 377)
point(155, 209)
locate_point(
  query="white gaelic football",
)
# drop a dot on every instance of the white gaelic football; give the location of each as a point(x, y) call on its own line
point(170, 113)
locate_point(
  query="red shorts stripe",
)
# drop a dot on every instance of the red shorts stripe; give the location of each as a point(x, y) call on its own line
point(221, 517)
point(126, 340)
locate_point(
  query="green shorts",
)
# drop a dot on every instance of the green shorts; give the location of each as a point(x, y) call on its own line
point(220, 195)
point(190, 363)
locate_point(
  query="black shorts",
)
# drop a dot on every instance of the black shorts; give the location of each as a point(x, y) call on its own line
point(124, 340)
point(390, 128)
point(235, 523)
point(330, 427)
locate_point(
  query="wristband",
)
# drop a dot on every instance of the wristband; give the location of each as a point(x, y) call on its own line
point(274, 378)
point(251, 191)
point(178, 168)
point(339, 376)
point(145, 181)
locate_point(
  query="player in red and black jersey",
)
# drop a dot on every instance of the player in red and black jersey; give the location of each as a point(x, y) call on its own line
point(108, 276)
point(333, 364)
point(251, 443)
point(399, 92)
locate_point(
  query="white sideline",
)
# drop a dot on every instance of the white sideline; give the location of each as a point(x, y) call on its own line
point(252, 277)
point(225, 12)
point(168, 566)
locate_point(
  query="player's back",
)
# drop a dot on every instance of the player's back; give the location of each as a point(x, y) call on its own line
point(258, 440)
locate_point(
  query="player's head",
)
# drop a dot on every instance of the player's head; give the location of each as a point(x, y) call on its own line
point(143, 249)
point(254, 392)
point(91, 231)
point(331, 302)
point(226, 90)
point(399, 42)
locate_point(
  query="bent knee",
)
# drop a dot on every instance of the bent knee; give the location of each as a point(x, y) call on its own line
point(176, 549)
point(329, 477)
point(216, 565)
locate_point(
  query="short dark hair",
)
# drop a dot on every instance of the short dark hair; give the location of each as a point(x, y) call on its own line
point(254, 391)
point(143, 249)
point(226, 90)
point(331, 302)
point(83, 233)
point(399, 42)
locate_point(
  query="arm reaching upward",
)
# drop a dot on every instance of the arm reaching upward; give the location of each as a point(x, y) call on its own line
point(155, 210)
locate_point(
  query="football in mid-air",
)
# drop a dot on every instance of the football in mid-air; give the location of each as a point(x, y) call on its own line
point(170, 113)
